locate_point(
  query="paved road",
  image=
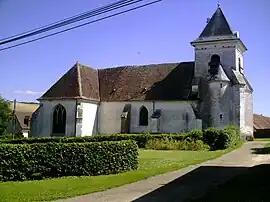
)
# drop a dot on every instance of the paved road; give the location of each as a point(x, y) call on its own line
point(183, 184)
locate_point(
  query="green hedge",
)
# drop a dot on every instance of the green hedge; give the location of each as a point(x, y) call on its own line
point(38, 161)
point(221, 139)
point(141, 139)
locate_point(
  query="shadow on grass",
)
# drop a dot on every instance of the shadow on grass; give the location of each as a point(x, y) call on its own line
point(265, 150)
point(212, 183)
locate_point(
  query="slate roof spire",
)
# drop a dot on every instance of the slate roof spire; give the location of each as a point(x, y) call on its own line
point(217, 26)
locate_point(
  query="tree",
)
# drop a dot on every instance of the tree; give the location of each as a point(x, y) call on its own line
point(5, 115)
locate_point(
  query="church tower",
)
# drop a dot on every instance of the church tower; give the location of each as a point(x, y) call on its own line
point(224, 91)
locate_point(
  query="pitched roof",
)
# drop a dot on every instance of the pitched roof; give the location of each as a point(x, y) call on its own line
point(171, 81)
point(78, 82)
point(23, 110)
point(261, 122)
point(217, 26)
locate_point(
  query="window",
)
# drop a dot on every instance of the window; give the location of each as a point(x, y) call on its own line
point(143, 116)
point(26, 120)
point(59, 119)
point(214, 64)
point(240, 66)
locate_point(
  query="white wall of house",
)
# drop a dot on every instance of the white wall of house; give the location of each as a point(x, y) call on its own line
point(177, 116)
point(89, 118)
point(45, 118)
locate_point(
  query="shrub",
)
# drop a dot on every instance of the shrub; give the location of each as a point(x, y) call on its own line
point(38, 161)
point(170, 144)
point(141, 139)
point(195, 134)
point(11, 136)
point(249, 138)
point(221, 139)
point(234, 134)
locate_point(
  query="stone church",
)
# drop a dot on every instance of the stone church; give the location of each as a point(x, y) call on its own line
point(211, 91)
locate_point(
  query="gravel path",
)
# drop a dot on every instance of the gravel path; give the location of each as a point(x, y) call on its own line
point(183, 184)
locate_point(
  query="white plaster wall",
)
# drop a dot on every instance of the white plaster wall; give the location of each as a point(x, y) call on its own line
point(242, 109)
point(46, 117)
point(220, 93)
point(172, 119)
point(110, 117)
point(25, 133)
point(177, 116)
point(203, 53)
point(89, 118)
point(248, 112)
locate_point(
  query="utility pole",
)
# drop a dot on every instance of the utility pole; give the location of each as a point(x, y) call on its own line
point(13, 118)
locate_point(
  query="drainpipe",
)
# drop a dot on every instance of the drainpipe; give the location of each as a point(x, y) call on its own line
point(75, 128)
point(154, 106)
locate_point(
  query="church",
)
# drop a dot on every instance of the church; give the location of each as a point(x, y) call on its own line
point(211, 91)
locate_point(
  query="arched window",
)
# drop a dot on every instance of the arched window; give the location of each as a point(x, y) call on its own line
point(214, 64)
point(59, 119)
point(143, 116)
point(215, 58)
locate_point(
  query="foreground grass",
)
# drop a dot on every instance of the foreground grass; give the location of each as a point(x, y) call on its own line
point(262, 139)
point(151, 163)
point(253, 186)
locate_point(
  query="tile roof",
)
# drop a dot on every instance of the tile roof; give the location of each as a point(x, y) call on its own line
point(261, 122)
point(217, 26)
point(78, 82)
point(171, 81)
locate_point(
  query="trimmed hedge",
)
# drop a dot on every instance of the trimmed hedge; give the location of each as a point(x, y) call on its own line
point(141, 139)
point(38, 161)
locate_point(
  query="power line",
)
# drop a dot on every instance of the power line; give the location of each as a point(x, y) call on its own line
point(57, 22)
point(102, 10)
point(75, 27)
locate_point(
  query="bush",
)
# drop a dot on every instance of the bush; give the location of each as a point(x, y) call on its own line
point(141, 139)
point(11, 136)
point(38, 161)
point(170, 144)
point(249, 138)
point(221, 139)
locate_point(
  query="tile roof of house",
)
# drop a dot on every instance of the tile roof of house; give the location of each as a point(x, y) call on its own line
point(217, 26)
point(23, 110)
point(171, 81)
point(261, 122)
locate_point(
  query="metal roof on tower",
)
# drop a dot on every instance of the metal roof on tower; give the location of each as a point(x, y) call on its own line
point(217, 26)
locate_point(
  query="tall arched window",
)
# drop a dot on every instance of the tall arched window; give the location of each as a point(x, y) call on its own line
point(143, 116)
point(59, 119)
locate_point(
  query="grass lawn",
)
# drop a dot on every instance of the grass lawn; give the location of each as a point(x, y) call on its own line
point(262, 139)
point(151, 163)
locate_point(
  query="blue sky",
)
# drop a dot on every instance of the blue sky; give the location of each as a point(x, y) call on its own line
point(156, 34)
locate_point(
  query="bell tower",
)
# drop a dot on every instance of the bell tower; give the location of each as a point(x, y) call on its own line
point(217, 38)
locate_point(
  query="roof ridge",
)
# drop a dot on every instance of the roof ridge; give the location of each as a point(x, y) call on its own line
point(79, 79)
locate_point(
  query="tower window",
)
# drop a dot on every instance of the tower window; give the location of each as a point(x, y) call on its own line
point(221, 85)
point(240, 65)
point(221, 116)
